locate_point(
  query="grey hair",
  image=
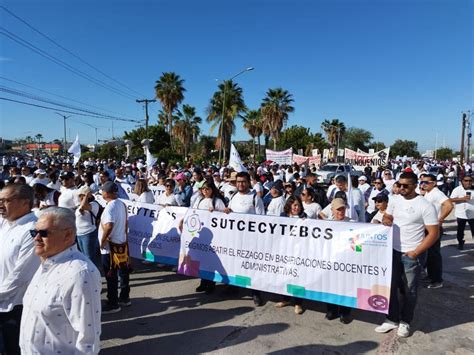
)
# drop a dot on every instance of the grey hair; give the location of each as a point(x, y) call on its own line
point(62, 217)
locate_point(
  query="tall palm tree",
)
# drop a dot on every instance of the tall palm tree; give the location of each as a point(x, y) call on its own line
point(233, 106)
point(334, 130)
point(170, 91)
point(187, 128)
point(39, 137)
point(275, 107)
point(253, 124)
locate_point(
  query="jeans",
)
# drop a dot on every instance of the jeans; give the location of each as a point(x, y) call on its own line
point(434, 262)
point(10, 331)
point(461, 226)
point(88, 244)
point(112, 278)
point(405, 277)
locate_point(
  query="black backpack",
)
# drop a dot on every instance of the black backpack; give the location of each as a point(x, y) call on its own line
point(96, 219)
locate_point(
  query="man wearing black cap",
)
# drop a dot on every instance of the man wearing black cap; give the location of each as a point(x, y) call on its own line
point(68, 191)
point(113, 228)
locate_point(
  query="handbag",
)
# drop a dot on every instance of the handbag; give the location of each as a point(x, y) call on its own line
point(119, 254)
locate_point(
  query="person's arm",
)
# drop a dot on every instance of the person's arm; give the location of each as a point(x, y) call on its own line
point(460, 199)
point(446, 208)
point(107, 230)
point(387, 219)
point(428, 241)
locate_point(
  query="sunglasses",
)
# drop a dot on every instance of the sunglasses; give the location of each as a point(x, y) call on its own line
point(426, 182)
point(467, 180)
point(304, 194)
point(405, 186)
point(377, 183)
point(42, 232)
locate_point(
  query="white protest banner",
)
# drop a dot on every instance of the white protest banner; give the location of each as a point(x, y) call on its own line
point(299, 159)
point(157, 191)
point(361, 160)
point(129, 190)
point(361, 151)
point(234, 160)
point(153, 231)
point(282, 157)
point(314, 152)
point(337, 262)
point(325, 155)
point(316, 160)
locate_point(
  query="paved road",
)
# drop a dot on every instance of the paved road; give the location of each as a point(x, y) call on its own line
point(168, 317)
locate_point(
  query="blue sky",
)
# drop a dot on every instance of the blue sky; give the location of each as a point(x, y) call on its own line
point(400, 69)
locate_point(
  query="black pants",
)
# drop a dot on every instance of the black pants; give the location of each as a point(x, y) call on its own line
point(295, 300)
point(113, 280)
point(10, 331)
point(461, 226)
point(434, 261)
point(338, 310)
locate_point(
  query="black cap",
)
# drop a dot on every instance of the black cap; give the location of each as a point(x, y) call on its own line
point(110, 187)
point(66, 175)
point(381, 197)
point(278, 185)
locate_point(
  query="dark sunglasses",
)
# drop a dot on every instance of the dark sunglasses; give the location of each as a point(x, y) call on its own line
point(42, 232)
point(468, 180)
point(426, 182)
point(405, 186)
point(304, 194)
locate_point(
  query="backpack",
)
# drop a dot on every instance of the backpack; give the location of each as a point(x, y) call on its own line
point(96, 219)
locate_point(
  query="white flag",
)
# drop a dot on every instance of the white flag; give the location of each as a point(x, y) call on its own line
point(234, 161)
point(150, 159)
point(350, 211)
point(75, 150)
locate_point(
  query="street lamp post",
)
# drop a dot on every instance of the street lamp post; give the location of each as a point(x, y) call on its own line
point(64, 118)
point(222, 147)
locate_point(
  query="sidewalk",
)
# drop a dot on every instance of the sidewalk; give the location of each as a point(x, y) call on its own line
point(168, 317)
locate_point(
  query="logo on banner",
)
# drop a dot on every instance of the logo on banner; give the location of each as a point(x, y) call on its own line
point(193, 224)
point(355, 244)
point(356, 240)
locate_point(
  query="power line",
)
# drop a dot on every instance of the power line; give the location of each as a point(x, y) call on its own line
point(65, 111)
point(48, 101)
point(61, 63)
point(63, 97)
point(67, 50)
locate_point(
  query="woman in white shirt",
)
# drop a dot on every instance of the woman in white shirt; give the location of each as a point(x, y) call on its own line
point(311, 208)
point(168, 198)
point(210, 199)
point(143, 192)
point(87, 214)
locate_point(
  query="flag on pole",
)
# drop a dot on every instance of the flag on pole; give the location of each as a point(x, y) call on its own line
point(150, 159)
point(234, 161)
point(75, 150)
point(350, 211)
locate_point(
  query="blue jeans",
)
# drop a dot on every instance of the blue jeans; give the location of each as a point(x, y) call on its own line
point(113, 281)
point(88, 244)
point(406, 274)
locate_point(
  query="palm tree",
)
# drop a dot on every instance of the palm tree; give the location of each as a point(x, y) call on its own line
point(39, 137)
point(275, 108)
point(170, 91)
point(253, 124)
point(334, 131)
point(234, 105)
point(186, 128)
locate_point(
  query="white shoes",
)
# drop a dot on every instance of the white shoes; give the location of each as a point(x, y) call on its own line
point(403, 330)
point(386, 327)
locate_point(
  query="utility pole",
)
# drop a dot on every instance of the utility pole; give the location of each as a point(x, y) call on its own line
point(469, 135)
point(64, 118)
point(463, 129)
point(146, 102)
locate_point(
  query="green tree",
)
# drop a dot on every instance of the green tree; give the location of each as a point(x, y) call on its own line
point(445, 153)
point(205, 148)
point(224, 121)
point(334, 130)
point(186, 129)
point(404, 147)
point(39, 137)
point(376, 146)
point(275, 107)
point(158, 134)
point(317, 142)
point(357, 138)
point(170, 92)
point(253, 124)
point(297, 137)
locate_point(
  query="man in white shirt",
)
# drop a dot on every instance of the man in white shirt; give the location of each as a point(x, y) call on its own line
point(113, 228)
point(461, 196)
point(246, 201)
point(363, 185)
point(18, 262)
point(418, 231)
point(61, 312)
point(443, 206)
point(277, 203)
point(67, 199)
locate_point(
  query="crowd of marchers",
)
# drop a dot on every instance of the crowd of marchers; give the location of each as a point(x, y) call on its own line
point(60, 225)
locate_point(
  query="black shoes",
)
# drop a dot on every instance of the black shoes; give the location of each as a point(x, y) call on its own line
point(331, 316)
point(257, 299)
point(201, 288)
point(345, 318)
point(461, 245)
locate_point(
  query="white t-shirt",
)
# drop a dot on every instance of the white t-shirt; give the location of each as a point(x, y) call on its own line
point(207, 204)
point(312, 209)
point(165, 200)
point(85, 223)
point(146, 197)
point(114, 212)
point(378, 218)
point(364, 187)
point(327, 211)
point(464, 210)
point(276, 206)
point(411, 216)
point(247, 203)
point(437, 198)
point(67, 199)
point(228, 190)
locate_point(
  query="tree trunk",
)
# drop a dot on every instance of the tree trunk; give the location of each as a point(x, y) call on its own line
point(253, 146)
point(259, 147)
point(170, 125)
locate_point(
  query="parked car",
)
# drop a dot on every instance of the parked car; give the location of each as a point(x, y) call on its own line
point(328, 171)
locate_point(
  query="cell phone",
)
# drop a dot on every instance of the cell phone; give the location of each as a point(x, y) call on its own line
point(468, 193)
